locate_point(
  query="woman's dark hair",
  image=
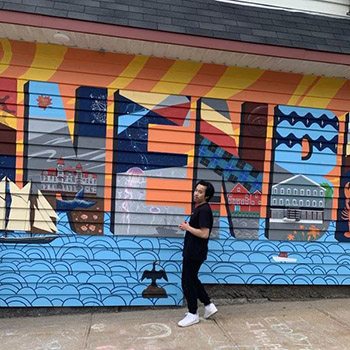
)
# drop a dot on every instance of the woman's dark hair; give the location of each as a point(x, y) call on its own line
point(209, 191)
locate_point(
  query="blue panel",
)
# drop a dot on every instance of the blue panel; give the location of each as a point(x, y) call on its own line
point(45, 100)
point(131, 146)
point(91, 112)
point(320, 126)
point(8, 167)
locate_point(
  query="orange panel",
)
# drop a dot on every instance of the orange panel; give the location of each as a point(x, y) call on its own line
point(181, 138)
point(178, 193)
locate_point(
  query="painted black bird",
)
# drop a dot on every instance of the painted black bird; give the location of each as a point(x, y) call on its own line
point(154, 275)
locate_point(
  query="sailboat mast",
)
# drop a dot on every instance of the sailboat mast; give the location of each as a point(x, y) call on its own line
point(8, 201)
point(3, 206)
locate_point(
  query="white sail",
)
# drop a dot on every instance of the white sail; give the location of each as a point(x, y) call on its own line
point(43, 215)
point(19, 218)
point(42, 221)
point(3, 203)
point(43, 204)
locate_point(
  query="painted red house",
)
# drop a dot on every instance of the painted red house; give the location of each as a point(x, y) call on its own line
point(240, 199)
point(68, 179)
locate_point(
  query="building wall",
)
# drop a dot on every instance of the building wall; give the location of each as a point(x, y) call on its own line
point(100, 153)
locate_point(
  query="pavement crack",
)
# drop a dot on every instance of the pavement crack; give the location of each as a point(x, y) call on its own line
point(227, 334)
point(88, 331)
point(333, 318)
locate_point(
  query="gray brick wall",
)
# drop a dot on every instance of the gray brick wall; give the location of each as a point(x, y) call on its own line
point(205, 18)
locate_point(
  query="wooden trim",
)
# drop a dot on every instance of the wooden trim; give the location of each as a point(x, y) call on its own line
point(132, 33)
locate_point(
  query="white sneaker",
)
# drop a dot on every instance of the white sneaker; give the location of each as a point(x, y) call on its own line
point(189, 320)
point(210, 310)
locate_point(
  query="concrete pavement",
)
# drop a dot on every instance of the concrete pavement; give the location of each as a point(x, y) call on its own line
point(302, 325)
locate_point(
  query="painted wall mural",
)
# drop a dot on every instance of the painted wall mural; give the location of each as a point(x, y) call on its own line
point(99, 154)
point(301, 203)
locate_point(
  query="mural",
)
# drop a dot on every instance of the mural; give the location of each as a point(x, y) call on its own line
point(301, 204)
point(343, 218)
point(98, 161)
point(8, 134)
point(236, 171)
point(153, 290)
point(57, 162)
point(135, 209)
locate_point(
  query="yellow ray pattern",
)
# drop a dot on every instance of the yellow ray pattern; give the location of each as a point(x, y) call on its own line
point(7, 55)
point(322, 93)
point(233, 81)
point(129, 73)
point(177, 77)
point(19, 138)
point(8, 119)
point(305, 83)
point(144, 99)
point(45, 62)
point(109, 151)
point(190, 153)
point(216, 119)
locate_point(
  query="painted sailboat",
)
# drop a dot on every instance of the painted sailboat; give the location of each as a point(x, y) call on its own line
point(283, 257)
point(21, 212)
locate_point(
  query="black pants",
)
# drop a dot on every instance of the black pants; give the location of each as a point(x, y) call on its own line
point(192, 286)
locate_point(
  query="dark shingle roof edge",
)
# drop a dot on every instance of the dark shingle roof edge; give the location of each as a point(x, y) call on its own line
point(206, 18)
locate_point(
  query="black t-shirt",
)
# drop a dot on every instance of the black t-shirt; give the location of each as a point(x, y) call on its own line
point(196, 248)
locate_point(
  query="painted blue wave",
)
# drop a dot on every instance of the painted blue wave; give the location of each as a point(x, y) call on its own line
point(303, 112)
point(321, 143)
point(313, 129)
point(105, 270)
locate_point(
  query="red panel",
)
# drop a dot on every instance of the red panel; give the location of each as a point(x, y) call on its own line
point(176, 114)
point(8, 95)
